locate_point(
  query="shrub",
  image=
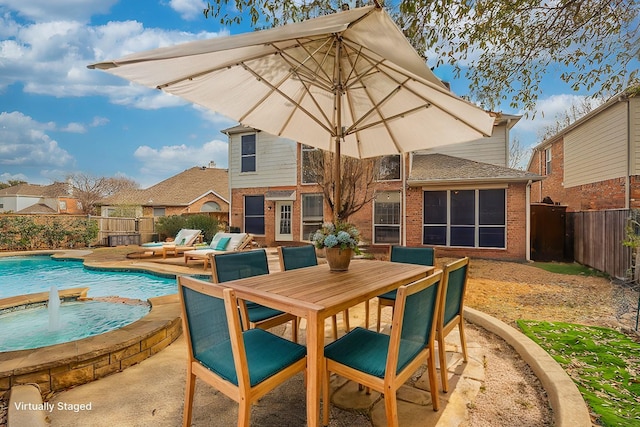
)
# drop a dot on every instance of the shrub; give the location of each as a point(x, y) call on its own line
point(168, 226)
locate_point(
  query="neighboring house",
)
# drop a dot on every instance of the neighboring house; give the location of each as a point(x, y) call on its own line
point(199, 189)
point(593, 164)
point(56, 198)
point(461, 198)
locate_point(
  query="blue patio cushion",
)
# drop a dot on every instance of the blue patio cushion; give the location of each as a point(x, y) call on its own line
point(367, 351)
point(408, 255)
point(295, 257)
point(258, 313)
point(455, 289)
point(222, 244)
point(267, 354)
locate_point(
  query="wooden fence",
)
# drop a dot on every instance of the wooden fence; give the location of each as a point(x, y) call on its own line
point(121, 228)
point(598, 237)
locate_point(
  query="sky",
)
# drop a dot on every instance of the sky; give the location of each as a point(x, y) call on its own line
point(58, 118)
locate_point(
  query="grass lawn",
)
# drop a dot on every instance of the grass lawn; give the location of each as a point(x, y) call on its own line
point(569, 268)
point(604, 364)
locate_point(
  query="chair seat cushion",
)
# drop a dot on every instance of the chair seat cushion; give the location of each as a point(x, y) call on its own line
point(267, 354)
point(391, 295)
point(258, 313)
point(367, 351)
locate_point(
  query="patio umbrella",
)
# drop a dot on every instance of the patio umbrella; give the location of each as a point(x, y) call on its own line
point(349, 82)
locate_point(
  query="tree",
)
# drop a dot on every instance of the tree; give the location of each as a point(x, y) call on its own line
point(90, 189)
point(11, 183)
point(517, 154)
point(357, 179)
point(576, 110)
point(504, 48)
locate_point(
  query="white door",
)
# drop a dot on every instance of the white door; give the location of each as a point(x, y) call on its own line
point(283, 221)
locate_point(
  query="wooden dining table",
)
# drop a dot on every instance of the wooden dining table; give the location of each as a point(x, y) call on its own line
point(316, 293)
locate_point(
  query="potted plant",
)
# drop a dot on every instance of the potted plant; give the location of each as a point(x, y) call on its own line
point(340, 242)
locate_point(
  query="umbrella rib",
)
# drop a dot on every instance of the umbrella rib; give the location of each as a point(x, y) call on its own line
point(311, 56)
point(284, 95)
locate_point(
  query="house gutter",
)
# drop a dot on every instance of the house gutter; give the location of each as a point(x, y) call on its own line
point(627, 178)
point(528, 221)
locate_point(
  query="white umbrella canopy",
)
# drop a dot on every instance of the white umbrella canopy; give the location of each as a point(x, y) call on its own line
point(349, 82)
point(379, 97)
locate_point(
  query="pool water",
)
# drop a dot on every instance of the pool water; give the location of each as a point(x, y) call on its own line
point(31, 274)
point(29, 328)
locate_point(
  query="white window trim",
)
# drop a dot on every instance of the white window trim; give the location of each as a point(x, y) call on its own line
point(401, 170)
point(255, 155)
point(302, 218)
point(373, 219)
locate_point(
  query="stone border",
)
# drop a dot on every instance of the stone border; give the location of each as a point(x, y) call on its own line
point(569, 407)
point(62, 366)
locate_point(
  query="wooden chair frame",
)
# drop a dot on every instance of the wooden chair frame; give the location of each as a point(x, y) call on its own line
point(392, 381)
point(334, 319)
point(458, 320)
point(243, 393)
point(244, 311)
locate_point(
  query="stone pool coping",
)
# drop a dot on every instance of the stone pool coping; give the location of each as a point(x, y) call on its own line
point(61, 366)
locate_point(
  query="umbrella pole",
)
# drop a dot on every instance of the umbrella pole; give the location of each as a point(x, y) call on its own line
point(337, 189)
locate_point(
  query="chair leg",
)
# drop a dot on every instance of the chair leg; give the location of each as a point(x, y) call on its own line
point(391, 408)
point(366, 314)
point(294, 329)
point(433, 380)
point(444, 374)
point(379, 315)
point(334, 323)
point(244, 412)
point(326, 404)
point(188, 399)
point(345, 320)
point(463, 340)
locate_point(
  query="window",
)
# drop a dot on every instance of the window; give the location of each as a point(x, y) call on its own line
point(254, 214)
point(468, 218)
point(210, 207)
point(248, 153)
point(312, 214)
point(159, 211)
point(312, 161)
point(547, 156)
point(62, 205)
point(386, 217)
point(388, 168)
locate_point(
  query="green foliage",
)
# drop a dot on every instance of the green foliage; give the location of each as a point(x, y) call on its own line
point(602, 362)
point(25, 233)
point(168, 226)
point(503, 48)
point(573, 269)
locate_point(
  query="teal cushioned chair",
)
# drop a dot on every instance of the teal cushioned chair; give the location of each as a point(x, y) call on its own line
point(409, 255)
point(239, 265)
point(294, 257)
point(454, 288)
point(242, 365)
point(384, 362)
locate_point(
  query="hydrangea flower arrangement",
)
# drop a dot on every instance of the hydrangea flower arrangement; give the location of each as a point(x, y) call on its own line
point(340, 234)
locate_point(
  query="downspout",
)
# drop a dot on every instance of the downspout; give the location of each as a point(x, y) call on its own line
point(404, 200)
point(627, 179)
point(528, 221)
point(229, 175)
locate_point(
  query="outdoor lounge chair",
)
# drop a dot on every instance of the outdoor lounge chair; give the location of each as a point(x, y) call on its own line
point(220, 244)
point(244, 365)
point(238, 265)
point(451, 310)
point(409, 255)
point(293, 257)
point(385, 362)
point(183, 241)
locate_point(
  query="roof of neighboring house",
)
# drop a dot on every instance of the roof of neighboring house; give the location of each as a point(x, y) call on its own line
point(433, 169)
point(38, 208)
point(57, 189)
point(179, 190)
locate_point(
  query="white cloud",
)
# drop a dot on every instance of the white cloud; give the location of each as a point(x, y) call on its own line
point(25, 142)
point(158, 164)
point(74, 128)
point(47, 10)
point(188, 9)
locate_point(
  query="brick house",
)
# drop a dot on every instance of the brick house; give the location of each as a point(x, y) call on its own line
point(198, 189)
point(594, 163)
point(56, 198)
point(460, 198)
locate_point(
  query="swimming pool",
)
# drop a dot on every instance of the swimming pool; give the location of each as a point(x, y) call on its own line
point(28, 328)
point(21, 275)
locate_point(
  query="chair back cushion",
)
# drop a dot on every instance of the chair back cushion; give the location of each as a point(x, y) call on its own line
point(235, 240)
point(222, 244)
point(238, 265)
point(294, 257)
point(456, 283)
point(409, 255)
